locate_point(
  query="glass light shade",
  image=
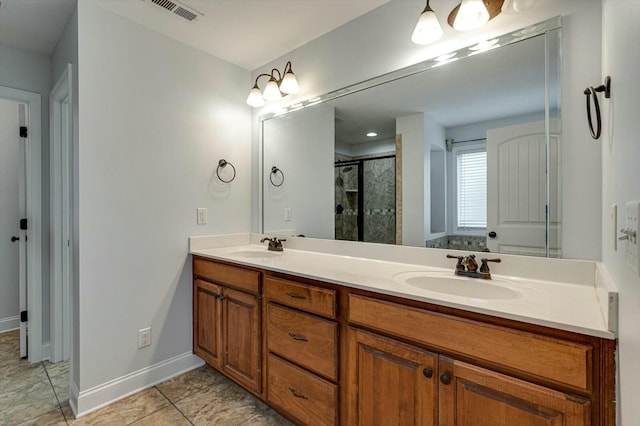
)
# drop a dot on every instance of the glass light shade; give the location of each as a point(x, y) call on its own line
point(512, 7)
point(272, 91)
point(289, 84)
point(472, 14)
point(255, 98)
point(427, 29)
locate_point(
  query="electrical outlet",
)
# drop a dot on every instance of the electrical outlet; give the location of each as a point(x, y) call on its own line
point(287, 214)
point(144, 337)
point(632, 211)
point(202, 216)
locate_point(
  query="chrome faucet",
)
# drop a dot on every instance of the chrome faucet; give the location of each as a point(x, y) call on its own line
point(274, 243)
point(468, 267)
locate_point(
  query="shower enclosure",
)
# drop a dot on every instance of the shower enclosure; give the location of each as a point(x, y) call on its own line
point(365, 199)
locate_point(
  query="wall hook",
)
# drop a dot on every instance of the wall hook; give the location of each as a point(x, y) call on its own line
point(275, 171)
point(222, 164)
point(593, 91)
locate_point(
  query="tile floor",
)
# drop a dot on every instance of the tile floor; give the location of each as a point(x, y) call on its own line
point(37, 394)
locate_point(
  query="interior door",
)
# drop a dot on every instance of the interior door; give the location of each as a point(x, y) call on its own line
point(22, 203)
point(12, 208)
point(517, 164)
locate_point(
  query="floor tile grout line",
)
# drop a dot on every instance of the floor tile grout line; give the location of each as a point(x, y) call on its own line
point(174, 405)
point(54, 392)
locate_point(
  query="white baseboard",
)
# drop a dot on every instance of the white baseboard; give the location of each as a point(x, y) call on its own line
point(87, 401)
point(9, 323)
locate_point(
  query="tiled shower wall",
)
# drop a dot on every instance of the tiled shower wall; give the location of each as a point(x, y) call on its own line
point(458, 242)
point(379, 200)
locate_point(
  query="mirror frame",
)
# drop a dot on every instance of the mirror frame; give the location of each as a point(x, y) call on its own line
point(421, 67)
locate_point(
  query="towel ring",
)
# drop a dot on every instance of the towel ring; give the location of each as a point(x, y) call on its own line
point(223, 163)
point(589, 92)
point(274, 171)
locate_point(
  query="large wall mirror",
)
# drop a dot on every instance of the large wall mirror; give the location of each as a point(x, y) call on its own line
point(458, 152)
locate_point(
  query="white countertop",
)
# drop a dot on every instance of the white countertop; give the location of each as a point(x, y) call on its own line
point(563, 305)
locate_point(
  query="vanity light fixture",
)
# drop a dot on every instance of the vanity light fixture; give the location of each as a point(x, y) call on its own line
point(472, 14)
point(428, 29)
point(467, 16)
point(511, 7)
point(279, 84)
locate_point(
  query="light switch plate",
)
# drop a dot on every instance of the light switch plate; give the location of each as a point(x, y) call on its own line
point(287, 214)
point(632, 212)
point(202, 216)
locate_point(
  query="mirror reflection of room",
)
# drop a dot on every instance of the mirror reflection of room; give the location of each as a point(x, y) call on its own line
point(444, 158)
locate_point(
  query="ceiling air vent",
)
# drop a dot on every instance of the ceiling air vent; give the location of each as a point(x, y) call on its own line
point(169, 5)
point(177, 8)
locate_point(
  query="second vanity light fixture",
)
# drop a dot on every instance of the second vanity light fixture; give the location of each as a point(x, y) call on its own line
point(467, 16)
point(279, 84)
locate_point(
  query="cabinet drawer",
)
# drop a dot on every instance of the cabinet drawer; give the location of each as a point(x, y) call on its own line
point(302, 296)
point(304, 339)
point(559, 361)
point(308, 398)
point(242, 279)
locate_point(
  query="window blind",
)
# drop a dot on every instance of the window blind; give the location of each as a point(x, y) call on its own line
point(472, 189)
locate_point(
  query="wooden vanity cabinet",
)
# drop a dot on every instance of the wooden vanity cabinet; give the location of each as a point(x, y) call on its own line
point(227, 321)
point(207, 322)
point(391, 383)
point(384, 373)
point(302, 350)
point(474, 396)
point(331, 355)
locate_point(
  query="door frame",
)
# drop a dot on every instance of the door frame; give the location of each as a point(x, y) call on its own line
point(33, 144)
point(60, 199)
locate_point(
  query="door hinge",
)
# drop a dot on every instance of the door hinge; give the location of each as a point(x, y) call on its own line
point(23, 224)
point(23, 316)
point(24, 132)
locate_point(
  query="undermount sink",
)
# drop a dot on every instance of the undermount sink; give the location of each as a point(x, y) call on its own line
point(256, 254)
point(448, 283)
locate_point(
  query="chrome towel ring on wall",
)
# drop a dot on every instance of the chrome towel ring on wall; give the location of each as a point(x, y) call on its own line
point(592, 92)
point(274, 172)
point(222, 164)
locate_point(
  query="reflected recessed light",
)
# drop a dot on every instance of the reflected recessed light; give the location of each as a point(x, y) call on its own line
point(485, 45)
point(445, 58)
point(372, 134)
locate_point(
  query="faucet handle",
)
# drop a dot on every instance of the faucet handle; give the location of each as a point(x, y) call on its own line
point(459, 265)
point(485, 266)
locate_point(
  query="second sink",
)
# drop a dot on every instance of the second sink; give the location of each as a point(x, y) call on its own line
point(447, 283)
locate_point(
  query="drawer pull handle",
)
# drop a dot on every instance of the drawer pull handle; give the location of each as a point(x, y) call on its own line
point(428, 373)
point(445, 379)
point(299, 338)
point(295, 295)
point(296, 394)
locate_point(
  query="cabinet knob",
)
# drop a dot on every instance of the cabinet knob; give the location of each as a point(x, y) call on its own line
point(14, 239)
point(445, 379)
point(428, 373)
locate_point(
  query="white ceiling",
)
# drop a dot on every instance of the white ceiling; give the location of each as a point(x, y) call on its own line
point(34, 25)
point(248, 33)
point(503, 82)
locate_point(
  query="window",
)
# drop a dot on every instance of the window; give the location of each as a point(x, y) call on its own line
point(471, 178)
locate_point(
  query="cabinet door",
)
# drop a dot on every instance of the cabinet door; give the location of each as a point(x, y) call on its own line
point(242, 344)
point(471, 395)
point(390, 383)
point(207, 322)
